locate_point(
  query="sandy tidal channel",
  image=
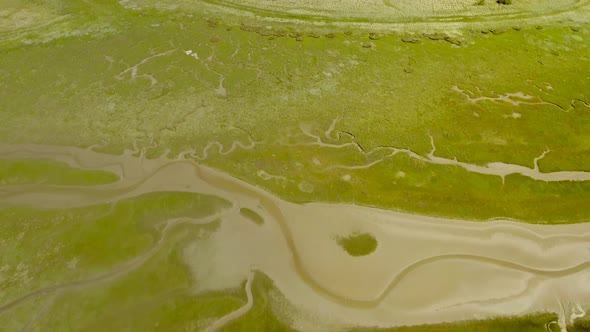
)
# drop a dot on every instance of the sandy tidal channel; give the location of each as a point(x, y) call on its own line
point(424, 270)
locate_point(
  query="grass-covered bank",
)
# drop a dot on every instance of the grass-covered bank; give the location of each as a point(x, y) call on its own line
point(13, 172)
point(137, 83)
point(532, 323)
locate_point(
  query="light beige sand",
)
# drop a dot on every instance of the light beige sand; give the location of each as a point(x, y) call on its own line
point(394, 9)
point(403, 14)
point(425, 270)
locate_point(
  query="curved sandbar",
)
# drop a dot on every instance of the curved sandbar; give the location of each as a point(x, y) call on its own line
point(391, 12)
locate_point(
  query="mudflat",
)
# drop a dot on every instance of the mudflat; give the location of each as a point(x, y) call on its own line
point(424, 270)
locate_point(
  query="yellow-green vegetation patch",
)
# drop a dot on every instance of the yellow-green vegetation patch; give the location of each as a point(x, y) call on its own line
point(267, 312)
point(42, 248)
point(15, 172)
point(358, 244)
point(155, 296)
point(252, 216)
point(529, 323)
point(413, 185)
point(195, 83)
point(581, 324)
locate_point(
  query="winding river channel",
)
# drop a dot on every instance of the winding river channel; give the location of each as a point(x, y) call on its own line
point(424, 270)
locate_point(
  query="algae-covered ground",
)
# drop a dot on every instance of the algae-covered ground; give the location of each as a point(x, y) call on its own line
point(358, 244)
point(467, 113)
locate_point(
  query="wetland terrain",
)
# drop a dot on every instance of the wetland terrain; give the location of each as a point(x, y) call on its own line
point(223, 165)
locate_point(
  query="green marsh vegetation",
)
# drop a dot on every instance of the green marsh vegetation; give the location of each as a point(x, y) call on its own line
point(239, 85)
point(252, 216)
point(530, 323)
point(13, 172)
point(156, 296)
point(358, 244)
point(156, 292)
point(580, 325)
point(41, 248)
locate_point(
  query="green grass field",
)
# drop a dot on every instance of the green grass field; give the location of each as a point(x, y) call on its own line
point(14, 172)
